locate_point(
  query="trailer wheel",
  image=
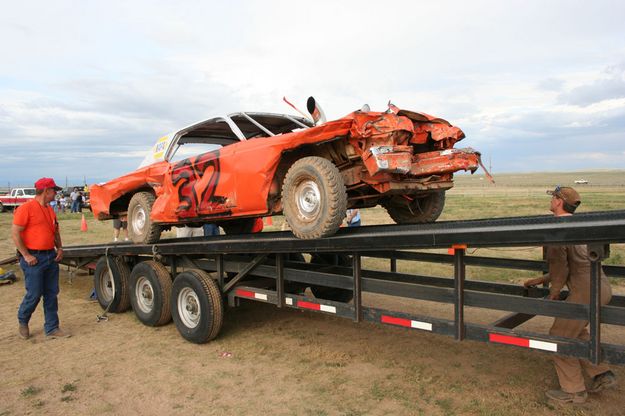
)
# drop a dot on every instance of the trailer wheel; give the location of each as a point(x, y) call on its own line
point(197, 306)
point(150, 290)
point(140, 226)
point(314, 198)
point(332, 293)
point(420, 210)
point(112, 289)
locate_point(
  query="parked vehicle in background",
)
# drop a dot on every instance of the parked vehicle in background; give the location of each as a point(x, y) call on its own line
point(581, 181)
point(233, 169)
point(16, 197)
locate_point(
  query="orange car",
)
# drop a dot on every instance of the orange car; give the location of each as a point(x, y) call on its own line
point(231, 170)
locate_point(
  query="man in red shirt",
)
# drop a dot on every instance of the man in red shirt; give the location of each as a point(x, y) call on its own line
point(35, 233)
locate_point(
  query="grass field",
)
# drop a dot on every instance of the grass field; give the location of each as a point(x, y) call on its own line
point(288, 362)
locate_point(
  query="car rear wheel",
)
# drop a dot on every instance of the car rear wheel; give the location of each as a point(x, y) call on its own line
point(314, 198)
point(418, 210)
point(239, 226)
point(140, 226)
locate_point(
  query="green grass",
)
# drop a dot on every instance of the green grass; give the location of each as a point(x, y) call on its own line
point(30, 391)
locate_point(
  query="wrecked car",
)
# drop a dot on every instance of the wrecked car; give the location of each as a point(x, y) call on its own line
point(234, 169)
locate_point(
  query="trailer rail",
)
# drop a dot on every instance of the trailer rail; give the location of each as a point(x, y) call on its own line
point(276, 268)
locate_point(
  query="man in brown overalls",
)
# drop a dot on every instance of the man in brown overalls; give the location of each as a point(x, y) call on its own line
point(570, 266)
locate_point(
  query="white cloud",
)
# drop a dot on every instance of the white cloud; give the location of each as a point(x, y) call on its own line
point(518, 77)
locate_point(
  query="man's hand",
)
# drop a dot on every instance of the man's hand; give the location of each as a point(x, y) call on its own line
point(534, 282)
point(59, 255)
point(30, 259)
point(554, 296)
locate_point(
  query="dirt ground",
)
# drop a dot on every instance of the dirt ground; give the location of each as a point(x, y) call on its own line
point(271, 361)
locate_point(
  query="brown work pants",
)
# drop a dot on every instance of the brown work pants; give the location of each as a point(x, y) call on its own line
point(569, 369)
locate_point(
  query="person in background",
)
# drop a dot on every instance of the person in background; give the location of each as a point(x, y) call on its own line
point(73, 197)
point(570, 266)
point(68, 202)
point(119, 224)
point(79, 201)
point(210, 229)
point(36, 234)
point(353, 217)
point(184, 231)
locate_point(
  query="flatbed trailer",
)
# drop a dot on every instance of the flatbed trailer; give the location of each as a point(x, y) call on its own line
point(190, 280)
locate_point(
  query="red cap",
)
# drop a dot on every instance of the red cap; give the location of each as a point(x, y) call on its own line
point(45, 183)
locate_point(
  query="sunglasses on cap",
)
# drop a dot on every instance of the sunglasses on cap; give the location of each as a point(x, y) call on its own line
point(555, 192)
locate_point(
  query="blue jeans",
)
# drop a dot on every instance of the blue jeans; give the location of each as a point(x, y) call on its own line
point(42, 279)
point(210, 229)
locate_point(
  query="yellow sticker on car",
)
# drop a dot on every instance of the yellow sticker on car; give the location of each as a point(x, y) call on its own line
point(160, 147)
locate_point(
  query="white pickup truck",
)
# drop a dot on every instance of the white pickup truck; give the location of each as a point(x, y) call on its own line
point(16, 197)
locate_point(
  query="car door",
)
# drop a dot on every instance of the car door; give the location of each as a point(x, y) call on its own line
point(201, 177)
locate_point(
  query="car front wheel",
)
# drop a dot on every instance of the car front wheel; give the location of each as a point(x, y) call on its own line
point(314, 198)
point(141, 229)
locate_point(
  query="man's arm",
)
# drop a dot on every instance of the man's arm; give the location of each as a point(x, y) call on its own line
point(21, 247)
point(58, 244)
point(558, 269)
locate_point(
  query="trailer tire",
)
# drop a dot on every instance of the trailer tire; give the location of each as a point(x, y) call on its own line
point(112, 293)
point(150, 291)
point(421, 210)
point(141, 228)
point(332, 293)
point(196, 306)
point(314, 198)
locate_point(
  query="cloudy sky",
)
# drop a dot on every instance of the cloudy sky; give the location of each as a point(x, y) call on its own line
point(86, 87)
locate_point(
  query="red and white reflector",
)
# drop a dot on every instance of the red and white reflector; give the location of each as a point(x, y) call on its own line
point(408, 323)
point(249, 294)
point(523, 342)
point(316, 306)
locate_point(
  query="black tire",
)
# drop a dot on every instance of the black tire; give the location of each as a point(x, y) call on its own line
point(240, 226)
point(418, 211)
point(150, 291)
point(196, 306)
point(141, 228)
point(314, 198)
point(113, 290)
point(332, 293)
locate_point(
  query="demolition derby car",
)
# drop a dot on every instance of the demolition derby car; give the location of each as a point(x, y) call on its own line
point(234, 169)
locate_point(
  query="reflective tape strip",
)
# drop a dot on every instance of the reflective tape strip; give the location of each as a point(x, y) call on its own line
point(523, 342)
point(250, 294)
point(541, 345)
point(244, 293)
point(327, 308)
point(316, 306)
point(289, 301)
point(308, 305)
point(408, 323)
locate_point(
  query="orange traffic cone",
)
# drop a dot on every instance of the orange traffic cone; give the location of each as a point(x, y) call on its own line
point(269, 220)
point(83, 224)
